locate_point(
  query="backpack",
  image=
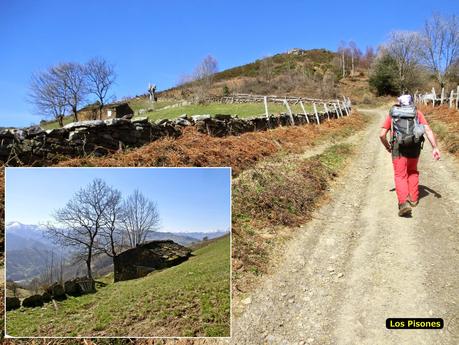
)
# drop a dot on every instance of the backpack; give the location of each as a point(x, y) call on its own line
point(406, 129)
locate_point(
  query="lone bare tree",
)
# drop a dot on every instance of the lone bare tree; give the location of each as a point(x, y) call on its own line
point(440, 45)
point(204, 76)
point(79, 222)
point(140, 218)
point(403, 47)
point(100, 77)
point(48, 94)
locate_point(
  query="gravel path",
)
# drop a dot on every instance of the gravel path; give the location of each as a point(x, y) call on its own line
point(357, 263)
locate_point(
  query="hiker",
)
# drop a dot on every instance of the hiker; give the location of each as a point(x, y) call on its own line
point(407, 127)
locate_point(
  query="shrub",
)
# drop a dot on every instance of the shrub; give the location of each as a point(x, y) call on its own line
point(383, 76)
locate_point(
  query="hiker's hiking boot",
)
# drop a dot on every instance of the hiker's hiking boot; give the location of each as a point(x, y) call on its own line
point(404, 209)
point(413, 203)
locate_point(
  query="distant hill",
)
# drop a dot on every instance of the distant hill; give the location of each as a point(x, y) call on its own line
point(198, 235)
point(297, 71)
point(29, 251)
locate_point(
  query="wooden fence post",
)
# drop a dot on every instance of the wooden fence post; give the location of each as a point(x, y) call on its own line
point(434, 95)
point(442, 96)
point(344, 102)
point(457, 97)
point(451, 96)
point(265, 100)
point(336, 110)
point(304, 111)
point(339, 108)
point(289, 112)
point(315, 112)
point(326, 110)
point(345, 109)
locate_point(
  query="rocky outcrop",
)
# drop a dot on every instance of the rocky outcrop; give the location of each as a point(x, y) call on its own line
point(12, 303)
point(148, 257)
point(33, 301)
point(36, 146)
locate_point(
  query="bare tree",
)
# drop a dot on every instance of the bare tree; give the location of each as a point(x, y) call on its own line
point(368, 57)
point(140, 218)
point(403, 47)
point(100, 77)
point(267, 69)
point(204, 76)
point(356, 54)
point(79, 222)
point(440, 45)
point(72, 77)
point(110, 237)
point(48, 94)
point(35, 286)
point(343, 51)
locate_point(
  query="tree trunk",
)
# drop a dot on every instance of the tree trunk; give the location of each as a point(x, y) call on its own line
point(60, 119)
point(75, 114)
point(100, 110)
point(88, 264)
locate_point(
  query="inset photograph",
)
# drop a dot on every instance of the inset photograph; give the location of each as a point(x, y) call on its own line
point(118, 252)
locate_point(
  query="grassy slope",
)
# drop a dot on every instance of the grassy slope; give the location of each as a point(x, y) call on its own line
point(191, 299)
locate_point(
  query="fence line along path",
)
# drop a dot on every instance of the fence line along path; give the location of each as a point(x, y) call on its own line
point(451, 98)
point(341, 108)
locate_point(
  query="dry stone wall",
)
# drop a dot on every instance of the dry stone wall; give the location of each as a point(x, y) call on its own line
point(36, 146)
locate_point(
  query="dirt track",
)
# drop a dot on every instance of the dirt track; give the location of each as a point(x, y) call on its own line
point(357, 263)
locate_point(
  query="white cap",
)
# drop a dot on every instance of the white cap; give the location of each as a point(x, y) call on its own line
point(405, 100)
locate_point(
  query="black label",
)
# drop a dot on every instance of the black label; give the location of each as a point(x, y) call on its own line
point(414, 323)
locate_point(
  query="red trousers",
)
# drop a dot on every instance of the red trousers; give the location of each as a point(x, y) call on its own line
point(406, 176)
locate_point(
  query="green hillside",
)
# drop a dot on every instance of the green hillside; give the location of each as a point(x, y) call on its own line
point(191, 299)
point(280, 74)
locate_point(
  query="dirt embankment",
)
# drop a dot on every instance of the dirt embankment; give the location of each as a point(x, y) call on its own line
point(445, 124)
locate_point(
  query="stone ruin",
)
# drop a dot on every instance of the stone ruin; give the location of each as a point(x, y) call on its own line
point(79, 286)
point(148, 257)
point(36, 146)
point(56, 291)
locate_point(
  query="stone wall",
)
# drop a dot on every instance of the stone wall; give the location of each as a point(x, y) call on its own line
point(36, 146)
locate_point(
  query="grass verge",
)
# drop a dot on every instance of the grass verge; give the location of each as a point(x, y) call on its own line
point(279, 193)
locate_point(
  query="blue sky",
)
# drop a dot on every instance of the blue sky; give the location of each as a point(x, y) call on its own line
point(188, 199)
point(158, 41)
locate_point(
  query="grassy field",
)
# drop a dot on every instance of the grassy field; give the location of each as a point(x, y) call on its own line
point(242, 110)
point(191, 299)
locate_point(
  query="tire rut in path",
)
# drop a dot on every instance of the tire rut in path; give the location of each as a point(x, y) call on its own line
point(357, 263)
